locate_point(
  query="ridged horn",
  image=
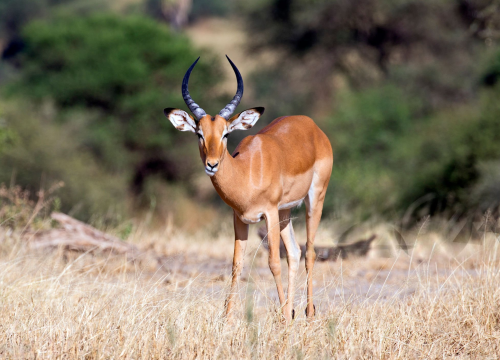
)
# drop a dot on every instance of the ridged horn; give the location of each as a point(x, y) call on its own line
point(197, 111)
point(229, 109)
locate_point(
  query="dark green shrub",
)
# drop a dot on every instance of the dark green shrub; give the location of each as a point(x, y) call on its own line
point(390, 161)
point(365, 130)
point(120, 72)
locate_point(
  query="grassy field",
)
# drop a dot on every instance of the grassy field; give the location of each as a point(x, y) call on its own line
point(432, 302)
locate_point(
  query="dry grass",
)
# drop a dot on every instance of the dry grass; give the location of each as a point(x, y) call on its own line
point(428, 303)
point(100, 306)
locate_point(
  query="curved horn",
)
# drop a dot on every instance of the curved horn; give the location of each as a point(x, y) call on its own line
point(194, 107)
point(229, 109)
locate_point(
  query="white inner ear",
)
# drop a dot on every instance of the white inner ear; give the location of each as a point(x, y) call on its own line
point(244, 121)
point(182, 121)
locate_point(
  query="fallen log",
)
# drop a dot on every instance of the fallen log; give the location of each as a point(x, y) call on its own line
point(78, 236)
point(75, 235)
point(326, 253)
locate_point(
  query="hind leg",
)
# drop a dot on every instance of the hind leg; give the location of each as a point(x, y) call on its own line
point(314, 208)
point(293, 258)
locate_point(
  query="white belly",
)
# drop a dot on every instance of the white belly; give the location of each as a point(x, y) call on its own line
point(291, 204)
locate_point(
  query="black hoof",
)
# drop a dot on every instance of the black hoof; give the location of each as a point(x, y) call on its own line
point(293, 314)
point(314, 307)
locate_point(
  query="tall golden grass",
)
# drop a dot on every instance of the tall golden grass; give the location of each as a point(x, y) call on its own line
point(100, 306)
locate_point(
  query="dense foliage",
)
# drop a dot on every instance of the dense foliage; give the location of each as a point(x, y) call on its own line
point(409, 87)
point(407, 91)
point(430, 46)
point(42, 154)
point(108, 78)
point(126, 69)
point(390, 160)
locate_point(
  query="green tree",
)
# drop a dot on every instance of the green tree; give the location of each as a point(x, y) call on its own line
point(367, 128)
point(428, 48)
point(120, 72)
point(390, 161)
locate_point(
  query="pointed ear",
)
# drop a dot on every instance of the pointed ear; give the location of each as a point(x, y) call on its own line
point(245, 119)
point(180, 119)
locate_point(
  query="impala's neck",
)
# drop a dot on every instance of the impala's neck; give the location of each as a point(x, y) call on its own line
point(227, 181)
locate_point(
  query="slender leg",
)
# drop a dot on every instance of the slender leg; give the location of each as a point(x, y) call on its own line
point(293, 258)
point(240, 243)
point(273, 238)
point(314, 207)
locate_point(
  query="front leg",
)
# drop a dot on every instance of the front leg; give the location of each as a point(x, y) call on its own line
point(293, 257)
point(273, 239)
point(240, 243)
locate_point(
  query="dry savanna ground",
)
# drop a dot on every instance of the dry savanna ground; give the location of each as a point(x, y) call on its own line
point(435, 300)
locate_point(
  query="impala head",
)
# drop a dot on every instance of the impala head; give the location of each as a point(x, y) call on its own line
point(212, 131)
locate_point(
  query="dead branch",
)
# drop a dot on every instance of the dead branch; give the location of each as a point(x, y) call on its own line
point(326, 253)
point(78, 236)
point(75, 235)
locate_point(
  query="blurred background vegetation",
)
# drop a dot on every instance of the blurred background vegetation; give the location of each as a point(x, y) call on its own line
point(407, 90)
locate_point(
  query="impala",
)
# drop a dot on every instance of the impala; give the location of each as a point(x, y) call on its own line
point(286, 163)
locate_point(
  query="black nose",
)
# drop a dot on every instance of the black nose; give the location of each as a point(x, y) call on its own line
point(212, 166)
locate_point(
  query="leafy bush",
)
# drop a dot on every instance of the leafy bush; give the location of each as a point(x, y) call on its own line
point(389, 160)
point(365, 130)
point(452, 156)
point(44, 154)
